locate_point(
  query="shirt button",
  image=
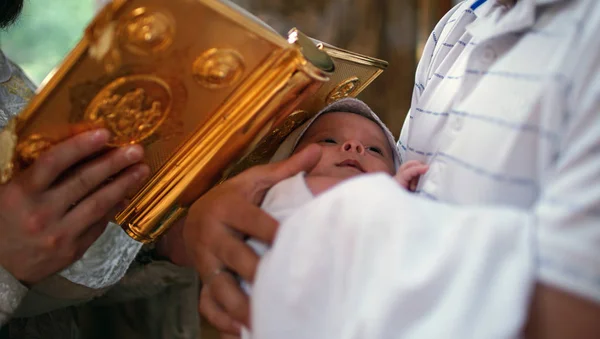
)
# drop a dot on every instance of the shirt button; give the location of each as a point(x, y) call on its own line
point(488, 55)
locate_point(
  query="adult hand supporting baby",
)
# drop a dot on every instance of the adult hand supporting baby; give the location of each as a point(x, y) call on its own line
point(213, 235)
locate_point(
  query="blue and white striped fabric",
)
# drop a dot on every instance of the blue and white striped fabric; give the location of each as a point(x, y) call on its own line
point(506, 111)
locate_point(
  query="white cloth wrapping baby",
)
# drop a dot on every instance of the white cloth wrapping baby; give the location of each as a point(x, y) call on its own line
point(281, 201)
point(369, 260)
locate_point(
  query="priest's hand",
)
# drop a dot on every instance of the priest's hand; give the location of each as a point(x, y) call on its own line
point(54, 210)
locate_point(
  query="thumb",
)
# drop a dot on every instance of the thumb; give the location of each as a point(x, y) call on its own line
point(303, 161)
point(267, 176)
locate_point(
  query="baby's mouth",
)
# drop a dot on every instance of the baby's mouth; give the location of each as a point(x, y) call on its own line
point(351, 163)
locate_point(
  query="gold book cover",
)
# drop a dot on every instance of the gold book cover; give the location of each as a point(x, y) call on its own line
point(206, 88)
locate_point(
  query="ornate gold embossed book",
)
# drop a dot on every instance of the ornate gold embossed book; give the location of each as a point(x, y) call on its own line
point(206, 88)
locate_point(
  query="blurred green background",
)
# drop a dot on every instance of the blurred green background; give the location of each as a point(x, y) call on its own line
point(45, 33)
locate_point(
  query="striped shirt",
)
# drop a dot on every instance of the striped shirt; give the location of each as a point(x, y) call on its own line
point(506, 110)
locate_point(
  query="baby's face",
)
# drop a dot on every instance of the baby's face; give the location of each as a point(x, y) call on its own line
point(351, 144)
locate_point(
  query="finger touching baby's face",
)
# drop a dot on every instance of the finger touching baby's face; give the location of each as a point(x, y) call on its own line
point(351, 144)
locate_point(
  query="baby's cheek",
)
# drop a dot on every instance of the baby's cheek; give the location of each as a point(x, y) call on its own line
point(383, 166)
point(320, 168)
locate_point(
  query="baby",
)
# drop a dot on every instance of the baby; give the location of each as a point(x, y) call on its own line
point(354, 141)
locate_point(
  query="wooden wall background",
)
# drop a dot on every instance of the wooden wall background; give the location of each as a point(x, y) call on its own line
point(392, 30)
point(385, 29)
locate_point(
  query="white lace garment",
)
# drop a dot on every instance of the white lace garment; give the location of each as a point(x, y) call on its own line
point(106, 261)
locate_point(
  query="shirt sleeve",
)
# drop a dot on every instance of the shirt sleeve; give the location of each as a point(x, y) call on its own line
point(11, 294)
point(568, 212)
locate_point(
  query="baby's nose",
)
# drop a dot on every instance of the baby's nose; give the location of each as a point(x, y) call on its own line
point(353, 146)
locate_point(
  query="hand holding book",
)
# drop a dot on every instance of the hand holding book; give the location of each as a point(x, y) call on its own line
point(205, 88)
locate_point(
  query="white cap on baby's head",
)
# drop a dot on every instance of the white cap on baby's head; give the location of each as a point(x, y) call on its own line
point(350, 105)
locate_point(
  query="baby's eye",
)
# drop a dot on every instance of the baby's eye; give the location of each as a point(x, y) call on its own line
point(328, 141)
point(375, 149)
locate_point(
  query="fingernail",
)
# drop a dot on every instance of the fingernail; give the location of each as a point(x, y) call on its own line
point(100, 136)
point(134, 153)
point(141, 173)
